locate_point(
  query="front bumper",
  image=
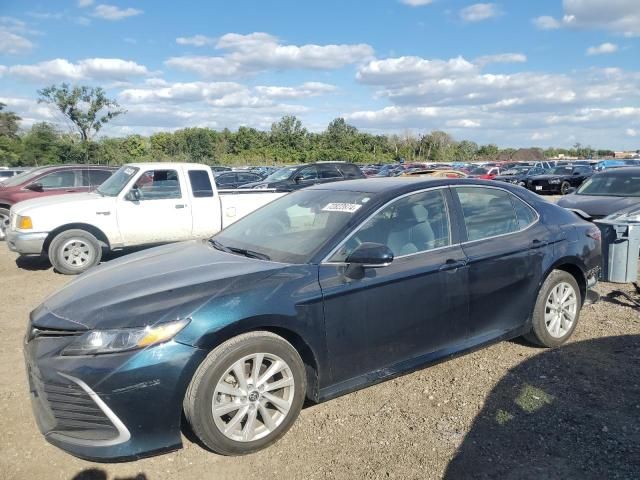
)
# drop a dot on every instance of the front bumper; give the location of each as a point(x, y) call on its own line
point(549, 188)
point(30, 243)
point(110, 407)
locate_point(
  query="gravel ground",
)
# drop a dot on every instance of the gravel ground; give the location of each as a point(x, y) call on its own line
point(510, 411)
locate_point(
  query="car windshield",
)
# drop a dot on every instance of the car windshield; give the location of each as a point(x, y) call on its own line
point(611, 185)
point(279, 175)
point(293, 228)
point(560, 171)
point(116, 182)
point(479, 171)
point(22, 177)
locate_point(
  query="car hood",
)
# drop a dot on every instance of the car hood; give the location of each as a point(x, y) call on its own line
point(517, 176)
point(548, 177)
point(54, 202)
point(597, 205)
point(144, 288)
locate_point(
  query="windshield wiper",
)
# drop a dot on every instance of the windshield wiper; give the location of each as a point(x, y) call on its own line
point(241, 251)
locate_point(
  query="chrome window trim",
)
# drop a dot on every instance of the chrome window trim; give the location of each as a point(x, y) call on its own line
point(325, 260)
point(502, 234)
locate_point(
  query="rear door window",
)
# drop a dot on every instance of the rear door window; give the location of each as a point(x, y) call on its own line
point(200, 183)
point(61, 179)
point(93, 178)
point(350, 171)
point(489, 212)
point(329, 171)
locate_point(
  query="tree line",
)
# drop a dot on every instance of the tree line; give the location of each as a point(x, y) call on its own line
point(288, 141)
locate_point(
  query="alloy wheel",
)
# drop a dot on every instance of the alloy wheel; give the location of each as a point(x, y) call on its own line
point(560, 310)
point(253, 397)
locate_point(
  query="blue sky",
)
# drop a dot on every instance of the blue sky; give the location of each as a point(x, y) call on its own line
point(515, 73)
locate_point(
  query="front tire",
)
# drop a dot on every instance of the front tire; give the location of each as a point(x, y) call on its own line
point(74, 251)
point(246, 394)
point(564, 188)
point(557, 310)
point(4, 221)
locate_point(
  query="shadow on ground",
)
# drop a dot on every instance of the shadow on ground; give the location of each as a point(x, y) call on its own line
point(572, 412)
point(33, 263)
point(99, 474)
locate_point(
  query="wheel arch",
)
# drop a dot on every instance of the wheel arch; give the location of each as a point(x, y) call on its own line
point(92, 229)
point(305, 350)
point(571, 266)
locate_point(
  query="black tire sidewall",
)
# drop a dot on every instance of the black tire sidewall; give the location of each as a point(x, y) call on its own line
point(200, 401)
point(539, 333)
point(55, 252)
point(564, 186)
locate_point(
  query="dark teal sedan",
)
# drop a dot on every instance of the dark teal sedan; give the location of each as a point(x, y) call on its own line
point(322, 292)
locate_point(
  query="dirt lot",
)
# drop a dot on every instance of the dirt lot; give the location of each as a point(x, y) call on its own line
point(511, 411)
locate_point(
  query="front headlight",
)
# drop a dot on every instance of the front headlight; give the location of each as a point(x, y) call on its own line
point(554, 181)
point(261, 187)
point(123, 339)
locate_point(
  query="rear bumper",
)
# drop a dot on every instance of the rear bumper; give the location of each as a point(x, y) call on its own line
point(26, 243)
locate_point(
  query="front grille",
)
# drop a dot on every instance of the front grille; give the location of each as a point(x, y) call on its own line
point(73, 411)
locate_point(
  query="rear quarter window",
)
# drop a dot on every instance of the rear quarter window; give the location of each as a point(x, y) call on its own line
point(350, 171)
point(200, 183)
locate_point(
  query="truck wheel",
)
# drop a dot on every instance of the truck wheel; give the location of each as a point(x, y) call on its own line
point(4, 221)
point(246, 394)
point(564, 188)
point(74, 251)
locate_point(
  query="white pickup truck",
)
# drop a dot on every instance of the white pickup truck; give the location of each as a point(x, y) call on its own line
point(141, 204)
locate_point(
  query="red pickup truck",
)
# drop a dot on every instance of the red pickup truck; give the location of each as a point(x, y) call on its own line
point(43, 181)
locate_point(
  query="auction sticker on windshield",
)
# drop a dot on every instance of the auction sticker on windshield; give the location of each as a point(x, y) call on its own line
point(341, 207)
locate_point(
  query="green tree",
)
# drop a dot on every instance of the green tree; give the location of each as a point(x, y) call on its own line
point(489, 151)
point(10, 144)
point(8, 123)
point(88, 108)
point(40, 145)
point(467, 150)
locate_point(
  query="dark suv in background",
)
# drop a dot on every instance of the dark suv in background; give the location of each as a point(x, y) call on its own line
point(45, 181)
point(300, 176)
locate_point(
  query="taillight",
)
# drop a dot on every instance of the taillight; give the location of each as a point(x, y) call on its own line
point(595, 233)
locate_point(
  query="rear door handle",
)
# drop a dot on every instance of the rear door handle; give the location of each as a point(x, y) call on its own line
point(452, 265)
point(535, 243)
point(180, 206)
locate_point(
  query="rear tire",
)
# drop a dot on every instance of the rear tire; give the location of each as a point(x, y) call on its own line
point(557, 310)
point(235, 405)
point(4, 221)
point(74, 251)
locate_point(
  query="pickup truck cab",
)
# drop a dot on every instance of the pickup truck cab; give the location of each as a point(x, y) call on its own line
point(141, 204)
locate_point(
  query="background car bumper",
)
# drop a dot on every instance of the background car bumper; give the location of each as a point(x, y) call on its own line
point(26, 243)
point(109, 407)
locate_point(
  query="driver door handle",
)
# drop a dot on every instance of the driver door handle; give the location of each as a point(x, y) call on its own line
point(452, 265)
point(180, 205)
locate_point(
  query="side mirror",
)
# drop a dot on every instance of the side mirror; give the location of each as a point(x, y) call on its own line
point(298, 178)
point(371, 255)
point(133, 195)
point(576, 173)
point(35, 187)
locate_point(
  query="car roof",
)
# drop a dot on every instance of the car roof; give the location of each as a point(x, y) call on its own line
point(622, 171)
point(399, 185)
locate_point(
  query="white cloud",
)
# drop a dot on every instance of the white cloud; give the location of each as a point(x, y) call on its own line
point(13, 36)
point(308, 89)
point(407, 69)
point(501, 58)
point(547, 23)
point(541, 136)
point(113, 13)
point(479, 12)
point(602, 49)
point(617, 16)
point(632, 132)
point(181, 92)
point(255, 52)
point(463, 123)
point(90, 68)
point(14, 44)
point(84, 3)
point(196, 41)
point(416, 3)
